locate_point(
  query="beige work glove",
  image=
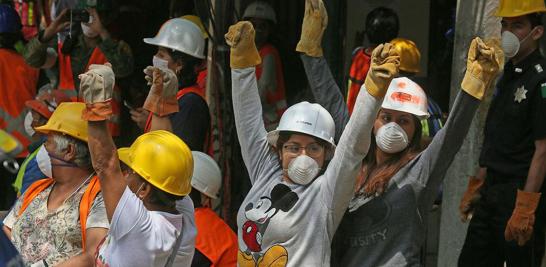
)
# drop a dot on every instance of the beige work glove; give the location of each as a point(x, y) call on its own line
point(96, 89)
point(484, 62)
point(240, 38)
point(383, 68)
point(161, 99)
point(470, 197)
point(315, 21)
point(520, 225)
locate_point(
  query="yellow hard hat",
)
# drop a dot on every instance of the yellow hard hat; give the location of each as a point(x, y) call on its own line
point(67, 119)
point(516, 8)
point(409, 54)
point(162, 159)
point(197, 21)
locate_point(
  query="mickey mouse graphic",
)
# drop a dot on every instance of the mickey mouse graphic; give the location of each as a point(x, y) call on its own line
point(258, 217)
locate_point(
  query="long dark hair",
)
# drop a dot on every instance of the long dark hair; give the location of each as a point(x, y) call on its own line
point(374, 177)
point(188, 74)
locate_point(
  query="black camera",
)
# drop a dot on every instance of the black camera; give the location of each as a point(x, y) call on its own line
point(79, 15)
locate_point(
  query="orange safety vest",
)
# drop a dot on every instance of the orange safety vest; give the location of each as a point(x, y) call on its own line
point(278, 97)
point(66, 82)
point(85, 204)
point(196, 89)
point(18, 84)
point(360, 65)
point(202, 81)
point(215, 239)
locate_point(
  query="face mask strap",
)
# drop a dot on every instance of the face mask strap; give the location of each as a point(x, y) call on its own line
point(531, 32)
point(139, 188)
point(64, 164)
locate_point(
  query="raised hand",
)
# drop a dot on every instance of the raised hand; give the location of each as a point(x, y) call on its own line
point(96, 89)
point(314, 23)
point(384, 67)
point(161, 99)
point(484, 62)
point(240, 38)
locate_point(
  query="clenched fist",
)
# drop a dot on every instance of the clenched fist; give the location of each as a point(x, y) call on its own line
point(240, 38)
point(384, 67)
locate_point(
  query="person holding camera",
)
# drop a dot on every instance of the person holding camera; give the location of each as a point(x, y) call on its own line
point(78, 51)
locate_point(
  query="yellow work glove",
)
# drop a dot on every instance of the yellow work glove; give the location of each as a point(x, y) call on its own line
point(161, 99)
point(96, 89)
point(315, 21)
point(383, 68)
point(240, 38)
point(470, 197)
point(485, 61)
point(520, 225)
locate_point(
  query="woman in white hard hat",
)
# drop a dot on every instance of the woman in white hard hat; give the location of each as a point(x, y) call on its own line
point(180, 48)
point(143, 195)
point(397, 184)
point(301, 185)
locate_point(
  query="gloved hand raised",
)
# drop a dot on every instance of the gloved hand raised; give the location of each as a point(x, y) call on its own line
point(96, 88)
point(240, 38)
point(315, 21)
point(384, 67)
point(161, 99)
point(485, 61)
point(520, 225)
point(470, 197)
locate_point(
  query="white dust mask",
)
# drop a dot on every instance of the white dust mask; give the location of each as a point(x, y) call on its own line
point(303, 169)
point(44, 162)
point(28, 124)
point(87, 31)
point(511, 43)
point(391, 138)
point(160, 63)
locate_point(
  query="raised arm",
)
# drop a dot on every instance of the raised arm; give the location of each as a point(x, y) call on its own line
point(323, 85)
point(97, 86)
point(36, 51)
point(355, 139)
point(161, 100)
point(247, 107)
point(484, 62)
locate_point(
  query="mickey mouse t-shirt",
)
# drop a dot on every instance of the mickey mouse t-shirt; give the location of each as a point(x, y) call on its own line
point(285, 224)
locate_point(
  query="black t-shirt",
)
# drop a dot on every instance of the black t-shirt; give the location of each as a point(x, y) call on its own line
point(516, 118)
point(192, 122)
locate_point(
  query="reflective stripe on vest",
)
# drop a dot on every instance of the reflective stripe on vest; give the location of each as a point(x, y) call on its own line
point(93, 188)
point(215, 239)
point(18, 184)
point(66, 82)
point(360, 64)
point(278, 97)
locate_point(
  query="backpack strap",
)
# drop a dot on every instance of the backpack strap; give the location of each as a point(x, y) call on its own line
point(33, 190)
point(85, 204)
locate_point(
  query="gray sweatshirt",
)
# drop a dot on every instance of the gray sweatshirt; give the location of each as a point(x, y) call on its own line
point(389, 230)
point(281, 222)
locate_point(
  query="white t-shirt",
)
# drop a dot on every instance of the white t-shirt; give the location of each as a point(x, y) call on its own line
point(137, 236)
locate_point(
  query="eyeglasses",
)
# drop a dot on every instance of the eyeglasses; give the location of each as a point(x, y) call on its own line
point(312, 150)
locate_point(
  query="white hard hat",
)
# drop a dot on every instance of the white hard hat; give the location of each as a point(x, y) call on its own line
point(260, 10)
point(307, 118)
point(405, 95)
point(207, 177)
point(181, 35)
